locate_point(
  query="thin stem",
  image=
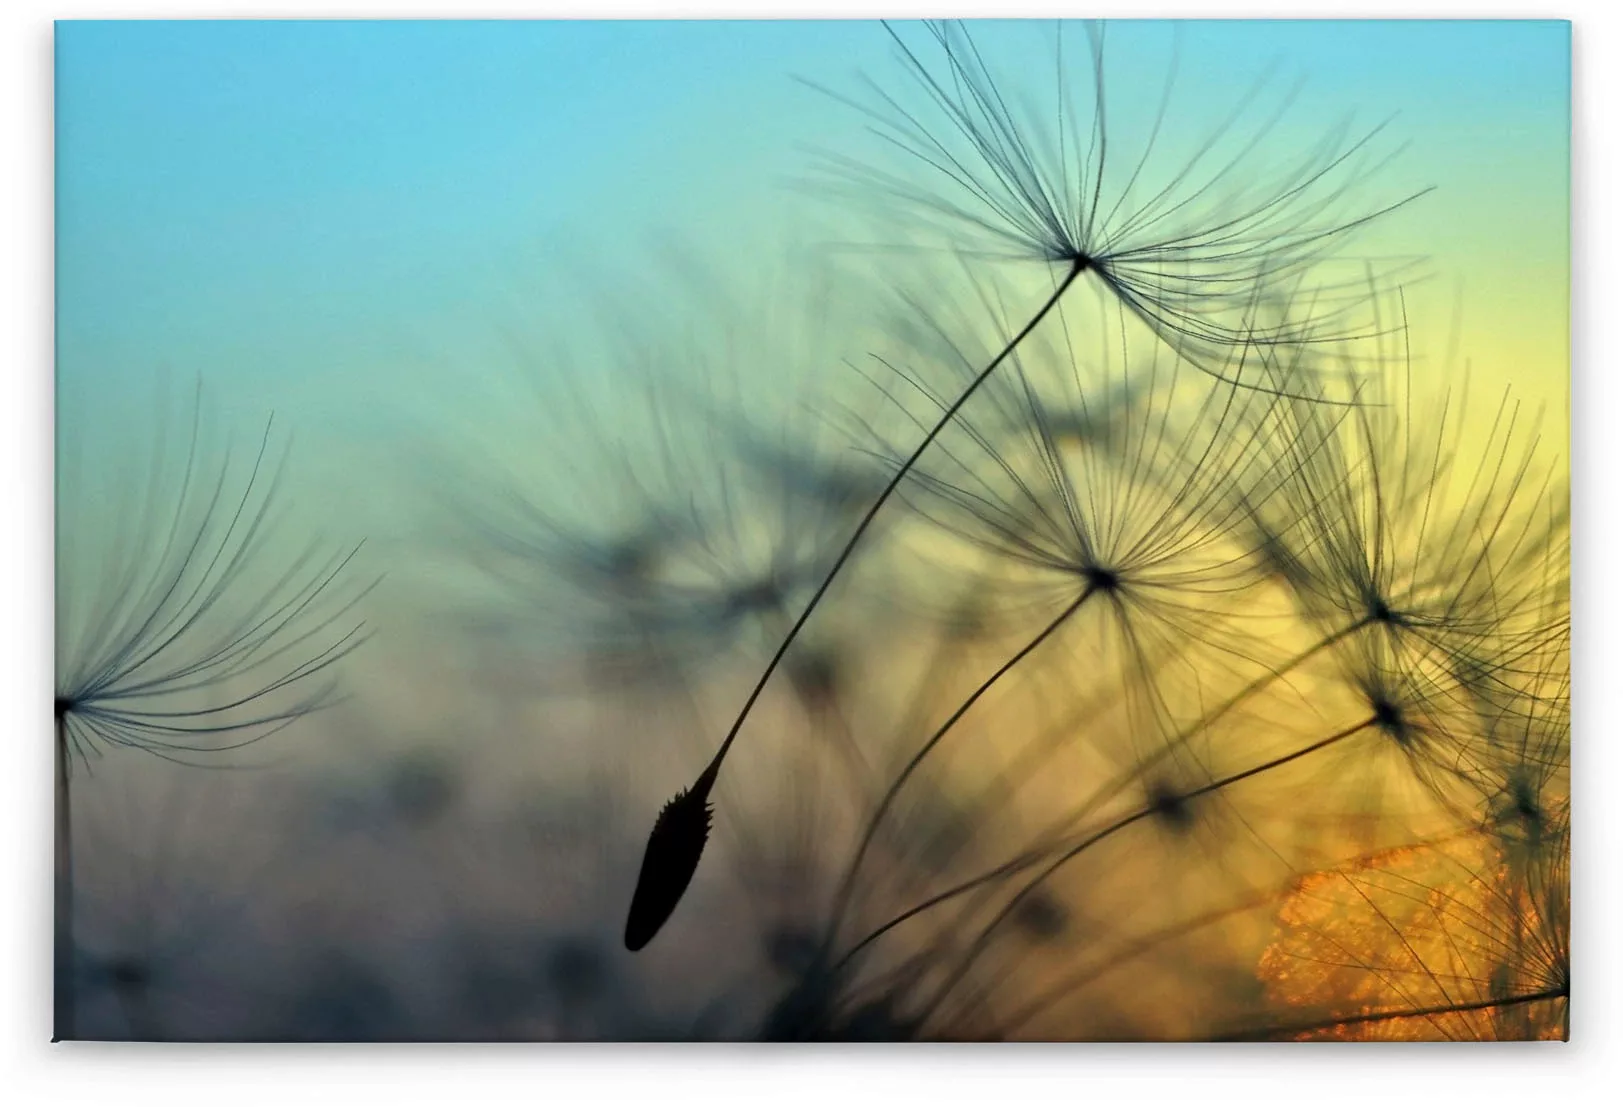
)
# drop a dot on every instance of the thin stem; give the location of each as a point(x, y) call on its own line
point(1199, 726)
point(1114, 959)
point(1121, 956)
point(1122, 824)
point(64, 974)
point(1410, 1013)
point(842, 899)
point(1076, 270)
point(1035, 855)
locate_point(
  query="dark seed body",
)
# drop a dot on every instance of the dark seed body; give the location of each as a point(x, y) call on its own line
point(668, 865)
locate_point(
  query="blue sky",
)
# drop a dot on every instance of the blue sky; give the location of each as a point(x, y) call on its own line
point(316, 216)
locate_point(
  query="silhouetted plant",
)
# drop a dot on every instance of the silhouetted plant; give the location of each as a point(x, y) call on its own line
point(1184, 242)
point(1180, 280)
point(1442, 683)
point(184, 628)
point(676, 520)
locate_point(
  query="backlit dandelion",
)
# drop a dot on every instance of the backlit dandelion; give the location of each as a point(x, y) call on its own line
point(1179, 280)
point(185, 631)
point(1185, 241)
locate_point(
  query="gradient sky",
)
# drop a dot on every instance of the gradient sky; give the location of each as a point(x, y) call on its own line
point(324, 216)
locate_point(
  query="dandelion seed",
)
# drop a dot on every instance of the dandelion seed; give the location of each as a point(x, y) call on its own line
point(1171, 807)
point(1182, 241)
point(174, 648)
point(1387, 521)
point(666, 528)
point(179, 632)
point(672, 857)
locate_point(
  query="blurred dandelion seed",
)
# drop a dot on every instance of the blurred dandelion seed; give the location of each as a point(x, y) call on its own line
point(186, 631)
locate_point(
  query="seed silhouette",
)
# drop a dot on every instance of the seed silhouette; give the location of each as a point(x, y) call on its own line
point(672, 857)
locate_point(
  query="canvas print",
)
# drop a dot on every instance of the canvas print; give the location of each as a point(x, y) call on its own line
point(812, 531)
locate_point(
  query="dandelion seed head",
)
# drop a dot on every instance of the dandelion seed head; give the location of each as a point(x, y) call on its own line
point(758, 597)
point(1170, 807)
point(1043, 916)
point(1381, 612)
point(672, 526)
point(169, 640)
point(1388, 718)
point(1389, 520)
point(1101, 579)
point(1184, 242)
point(1520, 812)
point(817, 674)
